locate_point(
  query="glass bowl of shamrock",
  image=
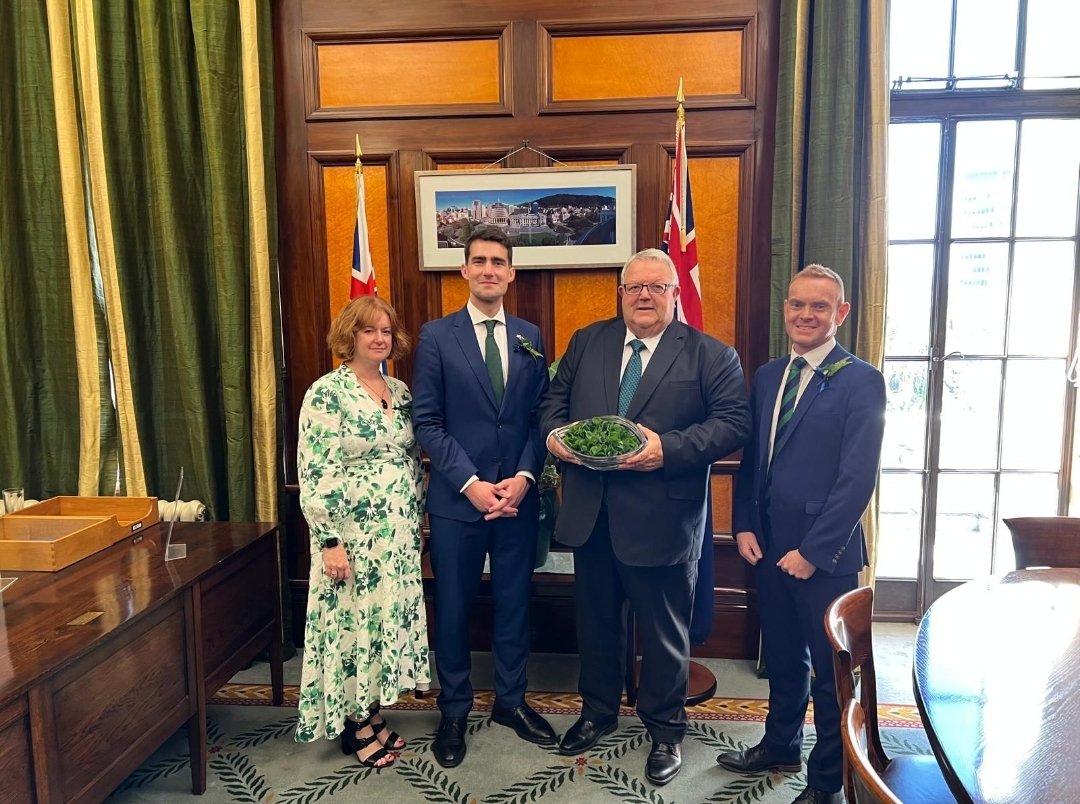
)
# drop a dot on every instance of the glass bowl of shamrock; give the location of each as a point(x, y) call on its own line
point(602, 441)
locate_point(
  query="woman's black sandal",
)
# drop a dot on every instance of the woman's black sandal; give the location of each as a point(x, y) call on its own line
point(352, 743)
point(393, 741)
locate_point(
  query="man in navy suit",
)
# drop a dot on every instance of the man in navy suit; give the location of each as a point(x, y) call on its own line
point(637, 532)
point(805, 480)
point(478, 380)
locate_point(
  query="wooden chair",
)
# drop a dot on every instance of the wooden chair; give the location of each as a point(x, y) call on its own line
point(1045, 541)
point(862, 784)
point(909, 778)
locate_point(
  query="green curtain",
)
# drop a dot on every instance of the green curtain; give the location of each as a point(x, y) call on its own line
point(39, 399)
point(170, 93)
point(829, 170)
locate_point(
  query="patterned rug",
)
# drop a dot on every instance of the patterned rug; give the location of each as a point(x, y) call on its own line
point(254, 759)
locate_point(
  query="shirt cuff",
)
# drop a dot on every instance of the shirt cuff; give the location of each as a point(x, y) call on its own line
point(468, 483)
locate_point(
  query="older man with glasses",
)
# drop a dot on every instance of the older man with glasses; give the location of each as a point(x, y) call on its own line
point(637, 532)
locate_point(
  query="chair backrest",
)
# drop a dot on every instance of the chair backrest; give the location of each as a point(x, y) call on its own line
point(1045, 541)
point(848, 626)
point(867, 786)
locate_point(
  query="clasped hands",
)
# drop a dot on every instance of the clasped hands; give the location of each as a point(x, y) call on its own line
point(792, 562)
point(650, 458)
point(500, 499)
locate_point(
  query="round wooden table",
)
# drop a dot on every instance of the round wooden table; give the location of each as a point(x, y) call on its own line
point(997, 682)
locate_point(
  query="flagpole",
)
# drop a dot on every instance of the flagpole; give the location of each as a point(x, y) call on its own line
point(680, 145)
point(362, 281)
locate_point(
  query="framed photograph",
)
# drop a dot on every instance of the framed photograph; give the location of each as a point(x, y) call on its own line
point(555, 217)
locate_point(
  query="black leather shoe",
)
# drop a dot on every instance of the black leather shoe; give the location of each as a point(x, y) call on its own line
point(449, 745)
point(811, 795)
point(756, 760)
point(527, 722)
point(584, 734)
point(664, 763)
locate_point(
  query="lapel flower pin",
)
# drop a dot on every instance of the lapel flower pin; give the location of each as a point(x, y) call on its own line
point(525, 345)
point(828, 370)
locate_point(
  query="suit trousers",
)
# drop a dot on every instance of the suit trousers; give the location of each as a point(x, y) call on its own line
point(457, 551)
point(792, 614)
point(662, 599)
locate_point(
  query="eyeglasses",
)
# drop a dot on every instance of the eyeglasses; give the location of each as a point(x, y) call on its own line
point(655, 288)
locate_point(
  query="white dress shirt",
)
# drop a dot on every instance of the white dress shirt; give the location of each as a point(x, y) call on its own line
point(480, 328)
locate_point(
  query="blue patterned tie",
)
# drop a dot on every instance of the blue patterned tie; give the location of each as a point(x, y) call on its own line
point(493, 359)
point(631, 377)
point(787, 400)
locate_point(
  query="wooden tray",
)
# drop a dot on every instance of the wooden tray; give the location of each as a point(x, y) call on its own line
point(130, 513)
point(50, 543)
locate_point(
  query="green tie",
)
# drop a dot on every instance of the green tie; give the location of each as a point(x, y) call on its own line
point(631, 377)
point(494, 361)
point(788, 400)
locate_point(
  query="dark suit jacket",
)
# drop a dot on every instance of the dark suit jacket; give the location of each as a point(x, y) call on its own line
point(825, 468)
point(692, 394)
point(455, 416)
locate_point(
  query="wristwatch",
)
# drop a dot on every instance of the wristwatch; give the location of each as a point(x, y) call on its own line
point(331, 542)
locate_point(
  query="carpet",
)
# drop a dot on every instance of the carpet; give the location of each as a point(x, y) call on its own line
point(254, 759)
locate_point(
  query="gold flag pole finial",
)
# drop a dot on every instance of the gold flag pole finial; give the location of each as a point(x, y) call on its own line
point(680, 145)
point(359, 153)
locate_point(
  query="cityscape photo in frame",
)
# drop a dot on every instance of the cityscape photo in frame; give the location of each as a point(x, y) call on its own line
point(555, 217)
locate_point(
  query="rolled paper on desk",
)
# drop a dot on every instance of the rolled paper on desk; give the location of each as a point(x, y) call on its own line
point(190, 511)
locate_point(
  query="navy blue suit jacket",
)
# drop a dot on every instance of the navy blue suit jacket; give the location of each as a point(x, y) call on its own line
point(693, 395)
point(824, 470)
point(455, 416)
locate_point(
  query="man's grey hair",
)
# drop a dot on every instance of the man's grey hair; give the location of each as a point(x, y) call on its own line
point(820, 271)
point(654, 254)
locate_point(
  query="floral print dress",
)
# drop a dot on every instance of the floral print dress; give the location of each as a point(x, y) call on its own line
point(365, 639)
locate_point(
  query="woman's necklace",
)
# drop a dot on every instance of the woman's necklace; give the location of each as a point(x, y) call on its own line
point(382, 399)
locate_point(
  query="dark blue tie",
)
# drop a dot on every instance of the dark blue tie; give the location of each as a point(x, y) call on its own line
point(787, 400)
point(631, 377)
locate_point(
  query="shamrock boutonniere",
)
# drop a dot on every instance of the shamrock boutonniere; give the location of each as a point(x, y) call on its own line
point(525, 345)
point(828, 370)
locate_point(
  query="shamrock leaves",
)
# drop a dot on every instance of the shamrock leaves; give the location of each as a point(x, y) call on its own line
point(827, 370)
point(526, 346)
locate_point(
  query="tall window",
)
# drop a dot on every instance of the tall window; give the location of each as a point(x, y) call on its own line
point(984, 276)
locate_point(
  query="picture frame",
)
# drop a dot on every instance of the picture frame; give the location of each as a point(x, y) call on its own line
point(576, 217)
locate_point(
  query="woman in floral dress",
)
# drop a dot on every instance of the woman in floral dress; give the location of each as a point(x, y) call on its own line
point(361, 489)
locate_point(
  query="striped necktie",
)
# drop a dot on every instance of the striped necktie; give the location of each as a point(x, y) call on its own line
point(631, 377)
point(788, 398)
point(493, 359)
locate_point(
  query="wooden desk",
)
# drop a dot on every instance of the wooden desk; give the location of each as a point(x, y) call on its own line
point(102, 662)
point(997, 681)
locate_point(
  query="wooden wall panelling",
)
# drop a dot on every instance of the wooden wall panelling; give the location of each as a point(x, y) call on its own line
point(339, 222)
point(613, 68)
point(295, 260)
point(408, 133)
point(584, 295)
point(446, 72)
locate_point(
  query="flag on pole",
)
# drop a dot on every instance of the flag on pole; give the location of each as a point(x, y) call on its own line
point(363, 272)
point(680, 243)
